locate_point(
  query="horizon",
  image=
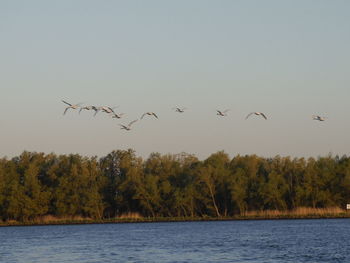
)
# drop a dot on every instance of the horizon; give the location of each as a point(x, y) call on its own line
point(231, 157)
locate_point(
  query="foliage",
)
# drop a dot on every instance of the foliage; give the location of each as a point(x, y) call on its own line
point(35, 185)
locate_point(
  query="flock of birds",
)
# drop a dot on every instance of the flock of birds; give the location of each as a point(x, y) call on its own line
point(110, 111)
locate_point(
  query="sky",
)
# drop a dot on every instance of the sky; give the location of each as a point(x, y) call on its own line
point(287, 59)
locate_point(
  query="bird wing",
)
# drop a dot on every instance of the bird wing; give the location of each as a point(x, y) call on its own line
point(96, 111)
point(143, 115)
point(111, 109)
point(66, 103)
point(132, 122)
point(249, 115)
point(65, 110)
point(116, 115)
point(262, 114)
point(155, 115)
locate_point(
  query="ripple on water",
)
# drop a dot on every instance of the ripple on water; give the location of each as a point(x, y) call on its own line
point(269, 241)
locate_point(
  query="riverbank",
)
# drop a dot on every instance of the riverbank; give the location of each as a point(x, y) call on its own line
point(300, 213)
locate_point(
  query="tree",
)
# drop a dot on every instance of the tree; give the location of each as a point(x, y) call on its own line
point(214, 174)
point(14, 199)
point(239, 187)
point(273, 192)
point(122, 170)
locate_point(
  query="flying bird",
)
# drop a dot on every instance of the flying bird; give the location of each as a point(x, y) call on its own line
point(149, 113)
point(318, 118)
point(107, 109)
point(96, 109)
point(117, 115)
point(70, 106)
point(181, 110)
point(222, 113)
point(128, 127)
point(258, 114)
point(86, 108)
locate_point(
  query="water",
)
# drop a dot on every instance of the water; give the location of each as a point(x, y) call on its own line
point(325, 240)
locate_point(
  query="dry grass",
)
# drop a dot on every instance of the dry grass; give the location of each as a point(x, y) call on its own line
point(130, 215)
point(297, 212)
point(47, 219)
point(317, 211)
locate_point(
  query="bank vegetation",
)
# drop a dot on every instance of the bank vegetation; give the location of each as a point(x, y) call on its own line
point(44, 188)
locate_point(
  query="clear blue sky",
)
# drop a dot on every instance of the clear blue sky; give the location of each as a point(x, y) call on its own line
point(288, 59)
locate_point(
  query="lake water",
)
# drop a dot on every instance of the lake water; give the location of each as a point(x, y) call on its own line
point(324, 240)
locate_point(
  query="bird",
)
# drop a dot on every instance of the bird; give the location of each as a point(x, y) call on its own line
point(70, 106)
point(318, 118)
point(128, 127)
point(180, 110)
point(149, 113)
point(222, 113)
point(96, 109)
point(107, 109)
point(258, 114)
point(117, 115)
point(86, 108)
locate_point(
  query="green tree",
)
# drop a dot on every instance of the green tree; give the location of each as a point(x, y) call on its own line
point(122, 170)
point(14, 199)
point(215, 175)
point(239, 187)
point(273, 192)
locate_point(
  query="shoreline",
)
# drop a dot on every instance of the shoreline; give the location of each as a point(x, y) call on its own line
point(171, 219)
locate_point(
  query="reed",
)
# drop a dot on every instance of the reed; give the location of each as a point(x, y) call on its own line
point(130, 215)
point(298, 212)
point(47, 219)
point(134, 217)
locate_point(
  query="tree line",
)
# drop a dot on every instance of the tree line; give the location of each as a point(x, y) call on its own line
point(36, 184)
